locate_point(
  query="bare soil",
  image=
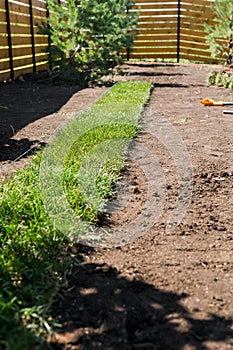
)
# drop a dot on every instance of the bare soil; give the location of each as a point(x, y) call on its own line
point(161, 291)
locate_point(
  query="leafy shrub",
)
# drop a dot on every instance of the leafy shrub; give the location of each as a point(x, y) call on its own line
point(220, 35)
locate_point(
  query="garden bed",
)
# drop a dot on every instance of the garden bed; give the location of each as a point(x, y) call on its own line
point(163, 290)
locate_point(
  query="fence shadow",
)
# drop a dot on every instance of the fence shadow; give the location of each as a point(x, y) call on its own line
point(22, 103)
point(152, 64)
point(101, 309)
point(170, 85)
point(153, 74)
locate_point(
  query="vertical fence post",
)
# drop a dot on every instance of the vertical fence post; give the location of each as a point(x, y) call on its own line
point(128, 49)
point(49, 39)
point(32, 37)
point(9, 39)
point(178, 33)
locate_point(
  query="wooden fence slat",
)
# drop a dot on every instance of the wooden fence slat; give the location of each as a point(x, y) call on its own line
point(26, 40)
point(152, 56)
point(153, 50)
point(39, 4)
point(19, 30)
point(2, 16)
point(16, 8)
point(22, 51)
point(18, 18)
point(4, 54)
point(5, 65)
point(157, 13)
point(153, 38)
point(151, 1)
point(155, 6)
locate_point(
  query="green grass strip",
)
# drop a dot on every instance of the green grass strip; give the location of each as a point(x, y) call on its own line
point(34, 250)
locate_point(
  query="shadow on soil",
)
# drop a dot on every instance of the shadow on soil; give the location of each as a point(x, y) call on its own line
point(154, 74)
point(100, 309)
point(22, 103)
point(151, 65)
point(170, 85)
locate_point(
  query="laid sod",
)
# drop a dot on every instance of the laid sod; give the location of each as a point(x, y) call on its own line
point(35, 251)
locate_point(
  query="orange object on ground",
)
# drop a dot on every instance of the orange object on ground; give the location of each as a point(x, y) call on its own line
point(210, 102)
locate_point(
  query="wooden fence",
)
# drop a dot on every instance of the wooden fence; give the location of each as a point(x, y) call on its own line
point(167, 30)
point(173, 29)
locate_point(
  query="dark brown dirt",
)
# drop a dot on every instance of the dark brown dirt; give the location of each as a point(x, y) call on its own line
point(163, 290)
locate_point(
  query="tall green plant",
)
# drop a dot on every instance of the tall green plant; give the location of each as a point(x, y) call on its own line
point(87, 37)
point(222, 29)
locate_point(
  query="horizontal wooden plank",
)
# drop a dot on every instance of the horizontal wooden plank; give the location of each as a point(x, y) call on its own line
point(26, 40)
point(158, 13)
point(19, 29)
point(205, 17)
point(27, 50)
point(28, 69)
point(2, 16)
point(23, 2)
point(192, 35)
point(195, 27)
point(4, 53)
point(39, 13)
point(18, 18)
point(40, 39)
point(152, 1)
point(3, 40)
point(196, 5)
point(26, 61)
point(201, 2)
point(195, 52)
point(157, 31)
point(153, 56)
point(200, 8)
point(154, 49)
point(21, 40)
point(192, 44)
point(39, 4)
point(42, 65)
point(154, 25)
point(153, 38)
point(19, 8)
point(4, 65)
point(156, 42)
point(197, 58)
point(160, 6)
point(157, 20)
point(23, 70)
point(22, 61)
point(197, 20)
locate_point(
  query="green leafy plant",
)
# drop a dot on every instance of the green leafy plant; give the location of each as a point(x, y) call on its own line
point(230, 84)
point(87, 37)
point(219, 79)
point(222, 78)
point(220, 35)
point(211, 78)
